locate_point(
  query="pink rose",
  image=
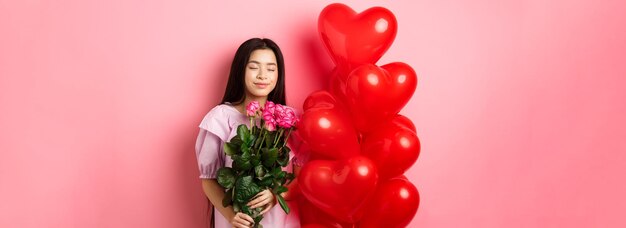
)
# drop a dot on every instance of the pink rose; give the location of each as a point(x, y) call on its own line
point(252, 108)
point(269, 107)
point(279, 109)
point(268, 116)
point(270, 121)
point(285, 117)
point(270, 126)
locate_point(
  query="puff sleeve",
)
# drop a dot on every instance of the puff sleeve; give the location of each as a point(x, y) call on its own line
point(214, 131)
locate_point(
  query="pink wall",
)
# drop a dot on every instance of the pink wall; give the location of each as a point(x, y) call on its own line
point(520, 106)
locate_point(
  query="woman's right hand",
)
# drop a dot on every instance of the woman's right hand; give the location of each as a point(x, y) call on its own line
point(241, 220)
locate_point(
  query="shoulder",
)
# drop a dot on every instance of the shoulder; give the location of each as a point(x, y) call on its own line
point(217, 115)
point(219, 121)
point(221, 109)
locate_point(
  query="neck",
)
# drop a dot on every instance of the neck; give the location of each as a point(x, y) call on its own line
point(249, 99)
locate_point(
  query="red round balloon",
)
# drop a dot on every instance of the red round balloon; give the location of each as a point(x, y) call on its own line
point(354, 39)
point(339, 188)
point(392, 147)
point(393, 205)
point(375, 95)
point(326, 127)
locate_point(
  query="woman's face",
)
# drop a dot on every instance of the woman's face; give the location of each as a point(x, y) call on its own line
point(261, 73)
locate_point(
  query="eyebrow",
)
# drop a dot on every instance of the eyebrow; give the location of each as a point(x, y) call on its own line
point(252, 61)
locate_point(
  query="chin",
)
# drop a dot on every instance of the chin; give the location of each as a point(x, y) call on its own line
point(260, 94)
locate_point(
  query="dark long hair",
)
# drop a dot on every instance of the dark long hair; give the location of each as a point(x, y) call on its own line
point(236, 89)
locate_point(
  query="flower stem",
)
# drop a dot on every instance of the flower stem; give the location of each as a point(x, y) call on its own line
point(260, 143)
point(277, 139)
point(286, 138)
point(251, 126)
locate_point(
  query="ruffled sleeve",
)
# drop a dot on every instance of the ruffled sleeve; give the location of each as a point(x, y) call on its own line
point(214, 131)
point(216, 122)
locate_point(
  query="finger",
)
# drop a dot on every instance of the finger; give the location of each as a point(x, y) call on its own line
point(267, 208)
point(237, 223)
point(262, 203)
point(257, 200)
point(241, 224)
point(247, 218)
point(261, 193)
point(266, 195)
point(241, 219)
point(265, 201)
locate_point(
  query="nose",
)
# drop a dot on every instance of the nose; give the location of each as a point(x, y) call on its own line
point(261, 74)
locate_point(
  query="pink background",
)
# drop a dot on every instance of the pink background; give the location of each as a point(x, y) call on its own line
point(520, 106)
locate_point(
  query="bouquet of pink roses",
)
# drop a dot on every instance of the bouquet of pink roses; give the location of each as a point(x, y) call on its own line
point(259, 153)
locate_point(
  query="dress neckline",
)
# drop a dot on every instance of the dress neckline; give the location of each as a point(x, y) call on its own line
point(232, 107)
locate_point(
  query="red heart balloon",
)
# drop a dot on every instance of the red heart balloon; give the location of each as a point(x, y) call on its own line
point(311, 216)
point(376, 94)
point(392, 147)
point(339, 188)
point(393, 205)
point(337, 86)
point(326, 128)
point(311, 225)
point(354, 39)
point(404, 122)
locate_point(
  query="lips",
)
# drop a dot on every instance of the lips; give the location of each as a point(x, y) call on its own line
point(262, 85)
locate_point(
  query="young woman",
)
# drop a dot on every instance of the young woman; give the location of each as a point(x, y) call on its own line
point(256, 74)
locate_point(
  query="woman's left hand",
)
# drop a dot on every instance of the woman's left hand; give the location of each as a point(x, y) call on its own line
point(264, 199)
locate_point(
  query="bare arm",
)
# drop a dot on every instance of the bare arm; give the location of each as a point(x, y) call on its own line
point(215, 193)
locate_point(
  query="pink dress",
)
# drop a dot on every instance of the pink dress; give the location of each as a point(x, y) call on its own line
point(217, 127)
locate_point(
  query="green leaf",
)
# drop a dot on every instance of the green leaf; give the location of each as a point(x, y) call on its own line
point(281, 175)
point(226, 177)
point(259, 170)
point(245, 189)
point(236, 142)
point(266, 181)
point(256, 128)
point(256, 212)
point(243, 133)
point(257, 221)
point(243, 162)
point(256, 159)
point(269, 139)
point(258, 141)
point(282, 203)
point(245, 209)
point(280, 189)
point(251, 140)
point(228, 198)
point(283, 159)
point(246, 149)
point(276, 171)
point(230, 149)
point(269, 156)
